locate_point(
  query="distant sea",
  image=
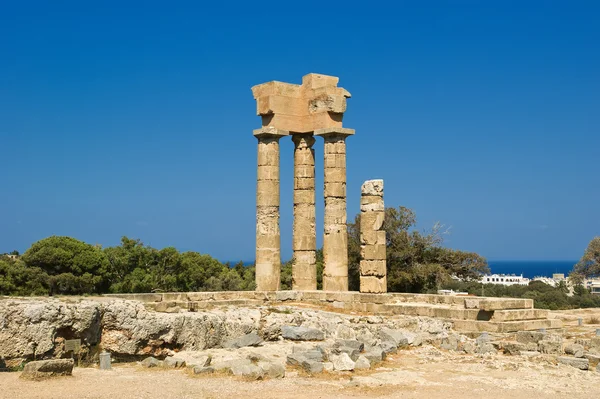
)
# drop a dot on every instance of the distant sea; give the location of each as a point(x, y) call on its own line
point(532, 268)
point(529, 268)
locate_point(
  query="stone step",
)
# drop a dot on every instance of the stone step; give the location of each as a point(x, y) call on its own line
point(504, 326)
point(448, 312)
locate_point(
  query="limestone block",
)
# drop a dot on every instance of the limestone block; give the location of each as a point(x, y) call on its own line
point(268, 241)
point(335, 175)
point(304, 157)
point(373, 284)
point(373, 237)
point(267, 220)
point(371, 203)
point(337, 190)
point(279, 104)
point(337, 245)
point(268, 157)
point(373, 268)
point(305, 257)
point(304, 171)
point(372, 187)
point(304, 197)
point(335, 283)
point(268, 172)
point(335, 161)
point(266, 282)
point(322, 119)
point(301, 183)
point(305, 242)
point(372, 252)
point(371, 221)
point(266, 196)
point(269, 256)
point(316, 80)
point(334, 147)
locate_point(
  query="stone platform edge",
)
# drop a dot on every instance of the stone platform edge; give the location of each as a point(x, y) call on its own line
point(332, 298)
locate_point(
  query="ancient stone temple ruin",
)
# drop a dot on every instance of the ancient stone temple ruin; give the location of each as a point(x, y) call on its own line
point(314, 108)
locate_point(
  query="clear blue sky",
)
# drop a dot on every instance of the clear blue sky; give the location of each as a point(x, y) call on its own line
point(123, 118)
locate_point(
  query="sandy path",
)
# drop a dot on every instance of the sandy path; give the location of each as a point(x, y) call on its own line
point(414, 374)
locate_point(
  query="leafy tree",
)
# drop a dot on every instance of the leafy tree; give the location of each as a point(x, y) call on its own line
point(589, 264)
point(74, 266)
point(416, 262)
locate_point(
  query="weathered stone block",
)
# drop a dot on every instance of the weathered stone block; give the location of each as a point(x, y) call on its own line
point(373, 252)
point(47, 368)
point(373, 268)
point(302, 333)
point(304, 183)
point(336, 189)
point(372, 187)
point(371, 284)
point(335, 175)
point(370, 221)
point(582, 364)
point(373, 237)
point(371, 204)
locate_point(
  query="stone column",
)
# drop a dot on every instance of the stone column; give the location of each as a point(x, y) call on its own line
point(268, 240)
point(372, 238)
point(304, 269)
point(335, 237)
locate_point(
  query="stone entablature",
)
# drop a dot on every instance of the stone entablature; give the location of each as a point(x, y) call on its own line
point(315, 104)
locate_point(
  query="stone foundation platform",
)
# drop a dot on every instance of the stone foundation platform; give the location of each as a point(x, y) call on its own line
point(466, 313)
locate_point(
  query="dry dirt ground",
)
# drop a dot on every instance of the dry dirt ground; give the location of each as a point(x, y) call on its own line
point(420, 373)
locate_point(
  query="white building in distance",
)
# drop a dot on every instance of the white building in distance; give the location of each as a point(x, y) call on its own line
point(505, 279)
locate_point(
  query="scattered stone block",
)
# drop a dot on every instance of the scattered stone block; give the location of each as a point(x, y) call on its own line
point(362, 363)
point(248, 371)
point(388, 347)
point(311, 366)
point(295, 333)
point(575, 350)
point(47, 368)
point(512, 348)
point(582, 364)
point(350, 343)
point(204, 370)
point(200, 361)
point(374, 354)
point(273, 370)
point(173, 362)
point(229, 364)
point(343, 362)
point(150, 362)
point(328, 366)
point(592, 357)
point(251, 339)
point(551, 344)
point(526, 337)
point(398, 337)
point(352, 352)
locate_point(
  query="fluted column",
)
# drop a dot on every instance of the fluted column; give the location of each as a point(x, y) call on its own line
point(335, 235)
point(304, 269)
point(268, 240)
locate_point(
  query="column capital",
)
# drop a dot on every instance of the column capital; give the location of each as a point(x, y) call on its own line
point(303, 138)
point(270, 132)
point(334, 131)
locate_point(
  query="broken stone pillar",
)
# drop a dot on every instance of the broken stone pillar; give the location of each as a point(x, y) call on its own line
point(335, 234)
point(372, 238)
point(268, 241)
point(304, 268)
